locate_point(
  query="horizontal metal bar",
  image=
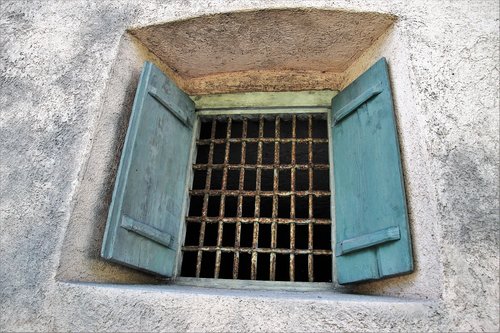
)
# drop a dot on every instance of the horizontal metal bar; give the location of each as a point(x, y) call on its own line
point(265, 140)
point(261, 193)
point(145, 230)
point(262, 220)
point(367, 240)
point(258, 250)
point(262, 166)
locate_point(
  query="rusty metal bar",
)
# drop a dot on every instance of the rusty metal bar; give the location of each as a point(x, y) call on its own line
point(260, 166)
point(265, 140)
point(261, 193)
point(258, 179)
point(261, 220)
point(205, 199)
point(274, 214)
point(222, 199)
point(241, 181)
point(292, 202)
point(239, 211)
point(310, 270)
point(258, 250)
point(255, 240)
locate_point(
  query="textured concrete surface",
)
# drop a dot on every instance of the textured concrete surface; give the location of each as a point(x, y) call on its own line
point(264, 40)
point(58, 70)
point(259, 50)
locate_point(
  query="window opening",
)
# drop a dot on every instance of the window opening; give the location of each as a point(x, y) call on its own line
point(260, 201)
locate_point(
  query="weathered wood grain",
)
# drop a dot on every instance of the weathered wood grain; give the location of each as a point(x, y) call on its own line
point(369, 186)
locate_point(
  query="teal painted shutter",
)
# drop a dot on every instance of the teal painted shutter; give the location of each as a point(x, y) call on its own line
point(372, 234)
point(147, 206)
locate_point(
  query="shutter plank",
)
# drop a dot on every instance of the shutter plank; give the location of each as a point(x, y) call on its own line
point(148, 201)
point(369, 188)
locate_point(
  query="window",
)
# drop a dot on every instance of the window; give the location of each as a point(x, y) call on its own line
point(145, 227)
point(260, 200)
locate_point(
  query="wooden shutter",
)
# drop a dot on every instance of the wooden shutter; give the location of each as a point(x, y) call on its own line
point(372, 234)
point(147, 206)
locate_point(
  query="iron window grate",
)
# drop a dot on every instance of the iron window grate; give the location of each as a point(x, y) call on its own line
point(260, 203)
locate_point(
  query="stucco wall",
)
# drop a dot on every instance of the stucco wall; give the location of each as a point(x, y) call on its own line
point(56, 63)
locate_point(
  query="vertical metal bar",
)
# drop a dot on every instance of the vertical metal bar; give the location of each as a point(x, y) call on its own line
point(292, 201)
point(258, 184)
point(258, 178)
point(205, 198)
point(310, 238)
point(272, 264)
point(222, 200)
point(239, 211)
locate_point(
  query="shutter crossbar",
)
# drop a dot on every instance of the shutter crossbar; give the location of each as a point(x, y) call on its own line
point(176, 113)
point(367, 240)
point(356, 103)
point(147, 231)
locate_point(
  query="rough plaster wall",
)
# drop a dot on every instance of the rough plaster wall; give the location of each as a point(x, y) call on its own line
point(458, 86)
point(279, 39)
point(80, 254)
point(268, 80)
point(55, 62)
point(427, 281)
point(280, 49)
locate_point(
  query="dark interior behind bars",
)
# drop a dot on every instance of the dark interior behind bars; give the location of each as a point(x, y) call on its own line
point(260, 200)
